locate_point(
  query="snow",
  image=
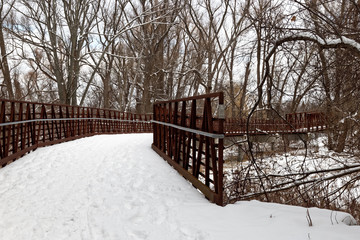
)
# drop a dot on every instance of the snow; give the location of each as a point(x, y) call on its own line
point(117, 187)
point(330, 42)
point(287, 169)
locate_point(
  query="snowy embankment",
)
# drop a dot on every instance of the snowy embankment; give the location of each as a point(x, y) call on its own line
point(116, 187)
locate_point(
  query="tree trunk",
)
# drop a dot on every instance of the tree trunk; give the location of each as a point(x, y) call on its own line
point(342, 136)
point(146, 93)
point(106, 82)
point(243, 91)
point(5, 66)
point(258, 67)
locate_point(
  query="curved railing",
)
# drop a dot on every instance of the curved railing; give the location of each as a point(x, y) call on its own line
point(25, 126)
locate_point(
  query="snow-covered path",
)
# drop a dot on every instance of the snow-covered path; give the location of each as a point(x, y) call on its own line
point(116, 187)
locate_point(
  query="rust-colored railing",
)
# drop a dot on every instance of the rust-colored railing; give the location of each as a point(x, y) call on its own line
point(188, 132)
point(189, 136)
point(25, 126)
point(307, 121)
point(293, 123)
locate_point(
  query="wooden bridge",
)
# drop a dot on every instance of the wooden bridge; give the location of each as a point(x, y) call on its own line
point(187, 132)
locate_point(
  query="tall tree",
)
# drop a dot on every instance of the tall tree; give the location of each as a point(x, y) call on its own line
point(149, 42)
point(5, 8)
point(60, 30)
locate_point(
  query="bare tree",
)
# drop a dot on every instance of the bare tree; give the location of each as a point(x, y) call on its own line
point(204, 30)
point(5, 8)
point(323, 52)
point(267, 19)
point(340, 67)
point(239, 26)
point(149, 43)
point(110, 23)
point(60, 30)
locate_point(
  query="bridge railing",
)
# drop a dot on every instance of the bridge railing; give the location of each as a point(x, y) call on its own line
point(293, 123)
point(25, 126)
point(310, 121)
point(189, 136)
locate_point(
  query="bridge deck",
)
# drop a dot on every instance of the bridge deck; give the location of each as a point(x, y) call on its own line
point(102, 187)
point(117, 187)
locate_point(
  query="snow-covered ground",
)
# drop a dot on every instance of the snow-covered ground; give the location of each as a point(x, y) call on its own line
point(116, 187)
point(317, 164)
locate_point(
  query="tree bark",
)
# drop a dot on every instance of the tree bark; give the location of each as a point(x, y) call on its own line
point(5, 65)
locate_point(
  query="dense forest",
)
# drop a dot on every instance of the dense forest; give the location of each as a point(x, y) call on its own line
point(284, 55)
